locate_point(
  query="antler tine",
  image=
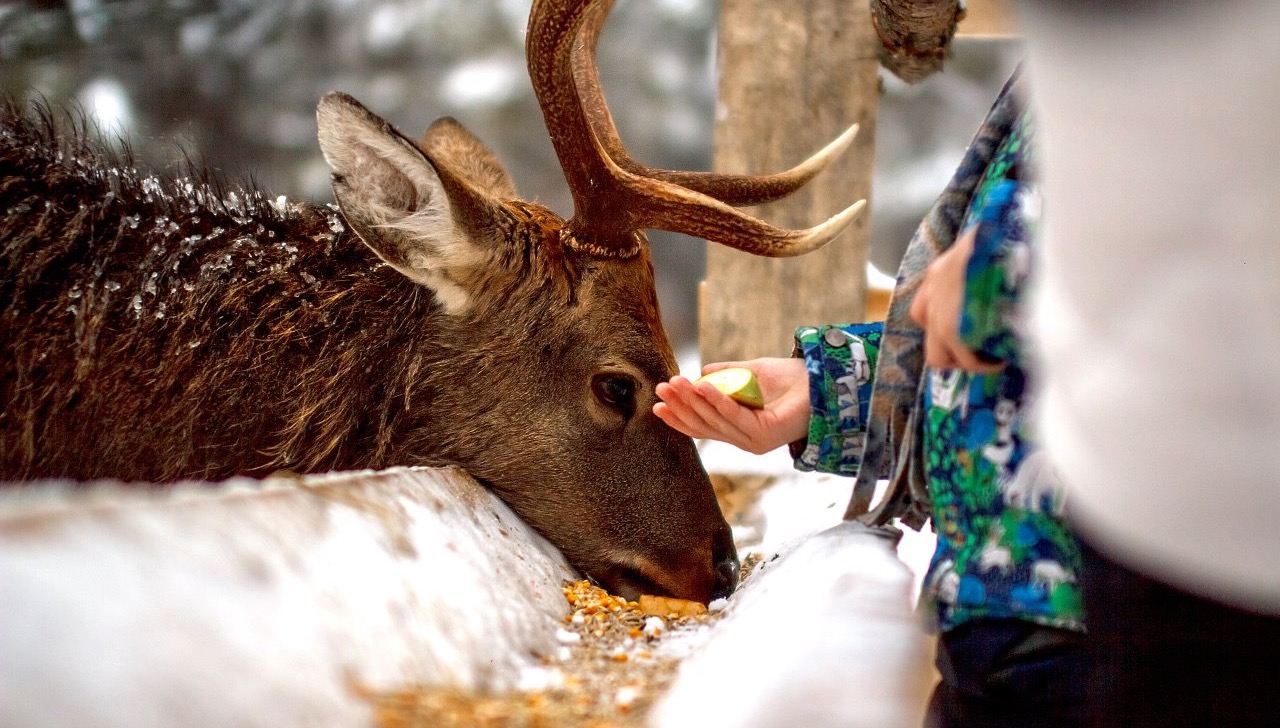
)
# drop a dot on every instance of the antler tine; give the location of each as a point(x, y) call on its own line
point(665, 206)
point(612, 203)
point(735, 189)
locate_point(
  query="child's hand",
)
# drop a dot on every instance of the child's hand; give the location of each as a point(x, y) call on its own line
point(702, 411)
point(936, 307)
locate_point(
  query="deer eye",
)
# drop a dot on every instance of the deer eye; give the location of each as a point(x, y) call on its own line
point(617, 391)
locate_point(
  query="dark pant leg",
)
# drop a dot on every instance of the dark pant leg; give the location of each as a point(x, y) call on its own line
point(1009, 672)
point(1167, 658)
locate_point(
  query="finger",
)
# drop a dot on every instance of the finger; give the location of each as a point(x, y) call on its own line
point(936, 354)
point(665, 391)
point(951, 353)
point(664, 412)
point(724, 405)
point(678, 397)
point(710, 405)
point(687, 422)
point(967, 359)
point(731, 415)
point(702, 398)
point(690, 404)
point(919, 310)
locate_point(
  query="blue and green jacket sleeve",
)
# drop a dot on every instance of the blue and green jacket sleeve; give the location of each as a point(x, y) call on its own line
point(841, 361)
point(1005, 206)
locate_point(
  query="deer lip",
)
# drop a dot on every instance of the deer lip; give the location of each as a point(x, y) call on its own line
point(631, 581)
point(631, 584)
point(634, 576)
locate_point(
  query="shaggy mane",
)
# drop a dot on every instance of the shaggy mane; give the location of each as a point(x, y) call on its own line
point(44, 137)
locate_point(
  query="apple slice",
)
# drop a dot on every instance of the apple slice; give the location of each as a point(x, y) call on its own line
point(739, 383)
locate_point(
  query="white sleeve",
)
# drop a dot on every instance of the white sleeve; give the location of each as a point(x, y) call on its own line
point(1158, 311)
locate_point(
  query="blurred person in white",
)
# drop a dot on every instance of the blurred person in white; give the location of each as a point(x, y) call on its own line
point(1158, 325)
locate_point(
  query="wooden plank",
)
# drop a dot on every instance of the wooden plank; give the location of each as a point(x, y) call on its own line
point(793, 76)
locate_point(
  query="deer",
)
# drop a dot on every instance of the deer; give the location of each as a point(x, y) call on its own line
point(157, 329)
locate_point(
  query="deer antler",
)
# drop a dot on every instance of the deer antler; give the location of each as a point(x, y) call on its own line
point(614, 196)
point(735, 189)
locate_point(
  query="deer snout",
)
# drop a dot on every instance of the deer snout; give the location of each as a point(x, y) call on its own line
point(714, 577)
point(726, 574)
point(699, 574)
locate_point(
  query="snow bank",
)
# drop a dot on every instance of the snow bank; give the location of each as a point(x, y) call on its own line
point(823, 634)
point(265, 604)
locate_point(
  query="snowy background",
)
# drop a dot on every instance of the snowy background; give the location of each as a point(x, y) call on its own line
point(234, 83)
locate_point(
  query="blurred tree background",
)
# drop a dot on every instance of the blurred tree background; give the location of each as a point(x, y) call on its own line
point(233, 84)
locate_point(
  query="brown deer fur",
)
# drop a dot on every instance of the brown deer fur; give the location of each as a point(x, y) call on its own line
point(157, 329)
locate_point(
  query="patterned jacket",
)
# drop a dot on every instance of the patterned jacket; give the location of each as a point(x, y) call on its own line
point(966, 452)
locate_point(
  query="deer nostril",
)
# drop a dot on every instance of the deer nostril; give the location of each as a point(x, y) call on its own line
point(726, 575)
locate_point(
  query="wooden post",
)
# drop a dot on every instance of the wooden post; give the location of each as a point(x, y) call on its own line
point(989, 19)
point(793, 75)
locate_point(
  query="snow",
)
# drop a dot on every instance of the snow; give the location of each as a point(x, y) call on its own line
point(540, 679)
point(262, 605)
point(798, 504)
point(567, 637)
point(824, 632)
point(822, 636)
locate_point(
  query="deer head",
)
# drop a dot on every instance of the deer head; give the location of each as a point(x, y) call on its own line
point(553, 330)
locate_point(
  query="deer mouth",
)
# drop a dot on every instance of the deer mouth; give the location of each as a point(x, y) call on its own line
point(629, 583)
point(632, 577)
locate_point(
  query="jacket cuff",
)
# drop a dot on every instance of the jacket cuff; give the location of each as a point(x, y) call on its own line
point(841, 362)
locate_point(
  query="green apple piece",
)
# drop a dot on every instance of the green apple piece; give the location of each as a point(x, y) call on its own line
point(739, 383)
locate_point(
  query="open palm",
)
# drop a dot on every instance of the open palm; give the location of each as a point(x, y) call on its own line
point(702, 411)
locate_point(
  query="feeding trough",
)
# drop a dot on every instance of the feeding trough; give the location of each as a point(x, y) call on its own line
point(291, 601)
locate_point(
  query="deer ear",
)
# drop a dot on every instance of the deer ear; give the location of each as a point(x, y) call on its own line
point(449, 144)
point(394, 198)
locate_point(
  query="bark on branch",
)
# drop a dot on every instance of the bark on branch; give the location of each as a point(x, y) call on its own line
point(915, 35)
